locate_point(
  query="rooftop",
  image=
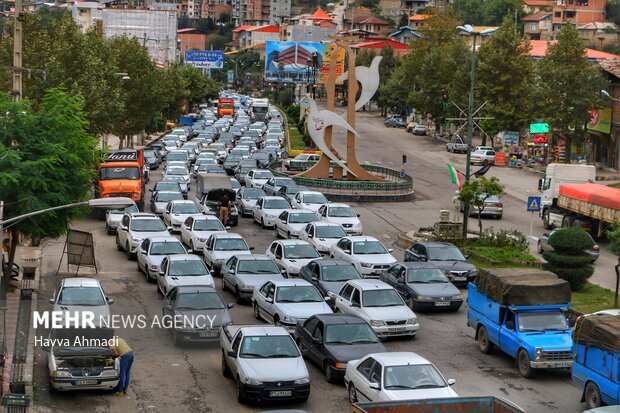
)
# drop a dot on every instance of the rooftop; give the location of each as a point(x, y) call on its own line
point(536, 17)
point(539, 50)
point(419, 17)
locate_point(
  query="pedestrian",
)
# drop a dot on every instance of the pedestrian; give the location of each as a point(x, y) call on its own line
point(225, 206)
point(121, 349)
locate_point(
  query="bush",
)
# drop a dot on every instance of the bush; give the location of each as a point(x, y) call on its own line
point(568, 259)
point(614, 238)
point(503, 238)
point(576, 277)
point(571, 240)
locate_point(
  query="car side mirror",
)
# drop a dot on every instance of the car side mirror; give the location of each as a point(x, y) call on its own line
point(143, 252)
point(327, 298)
point(232, 271)
point(110, 300)
point(310, 236)
point(151, 190)
point(278, 257)
point(510, 325)
point(374, 386)
point(190, 251)
point(314, 278)
point(451, 382)
point(51, 300)
point(168, 306)
point(348, 252)
point(187, 227)
point(169, 229)
point(355, 305)
point(251, 248)
point(390, 249)
point(316, 340)
point(227, 228)
point(358, 215)
point(161, 273)
point(123, 228)
point(230, 305)
point(269, 300)
point(232, 353)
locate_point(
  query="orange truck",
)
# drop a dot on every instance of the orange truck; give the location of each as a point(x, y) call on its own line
point(225, 106)
point(122, 174)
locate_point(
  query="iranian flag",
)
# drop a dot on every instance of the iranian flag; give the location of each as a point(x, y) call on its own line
point(456, 176)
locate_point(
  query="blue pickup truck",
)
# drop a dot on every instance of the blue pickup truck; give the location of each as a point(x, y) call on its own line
point(515, 315)
point(596, 359)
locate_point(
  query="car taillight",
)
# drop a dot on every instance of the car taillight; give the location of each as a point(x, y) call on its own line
point(499, 205)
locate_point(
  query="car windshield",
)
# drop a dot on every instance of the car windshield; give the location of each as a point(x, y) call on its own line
point(107, 174)
point(268, 347)
point(331, 231)
point(381, 298)
point(168, 196)
point(174, 178)
point(262, 156)
point(302, 217)
point(185, 208)
point(276, 203)
point(257, 267)
point(445, 253)
point(150, 154)
point(542, 322)
point(368, 247)
point(167, 186)
point(208, 225)
point(233, 158)
point(147, 225)
point(177, 157)
point(131, 208)
point(285, 181)
point(81, 296)
point(341, 212)
point(167, 248)
point(263, 175)
point(315, 199)
point(359, 333)
point(177, 171)
point(426, 276)
point(199, 301)
point(335, 273)
point(413, 376)
point(253, 193)
point(298, 294)
point(292, 190)
point(187, 268)
point(300, 251)
point(230, 244)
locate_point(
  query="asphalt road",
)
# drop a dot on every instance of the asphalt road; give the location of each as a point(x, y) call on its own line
point(188, 379)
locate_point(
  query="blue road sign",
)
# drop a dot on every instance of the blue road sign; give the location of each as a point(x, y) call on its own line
point(231, 76)
point(205, 59)
point(533, 203)
point(402, 174)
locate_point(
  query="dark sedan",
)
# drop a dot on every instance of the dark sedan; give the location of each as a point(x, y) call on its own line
point(423, 286)
point(447, 257)
point(329, 276)
point(332, 340)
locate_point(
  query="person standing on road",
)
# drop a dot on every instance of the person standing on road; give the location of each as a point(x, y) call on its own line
point(121, 349)
point(225, 205)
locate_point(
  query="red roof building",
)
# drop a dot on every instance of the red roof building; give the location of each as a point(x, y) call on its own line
point(319, 14)
point(399, 48)
point(539, 50)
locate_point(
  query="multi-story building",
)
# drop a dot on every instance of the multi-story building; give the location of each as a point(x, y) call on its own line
point(370, 24)
point(250, 36)
point(416, 21)
point(191, 39)
point(213, 9)
point(538, 26)
point(598, 34)
point(537, 6)
point(260, 12)
point(578, 12)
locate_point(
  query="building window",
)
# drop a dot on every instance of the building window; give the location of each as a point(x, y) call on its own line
point(558, 14)
point(569, 14)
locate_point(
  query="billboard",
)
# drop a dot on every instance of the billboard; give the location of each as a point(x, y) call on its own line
point(205, 59)
point(293, 61)
point(600, 120)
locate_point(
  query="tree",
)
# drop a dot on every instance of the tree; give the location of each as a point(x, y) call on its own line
point(470, 11)
point(403, 21)
point(569, 87)
point(504, 79)
point(49, 159)
point(613, 235)
point(486, 12)
point(569, 259)
point(475, 192)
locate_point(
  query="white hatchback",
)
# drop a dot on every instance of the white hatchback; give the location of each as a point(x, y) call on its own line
point(369, 256)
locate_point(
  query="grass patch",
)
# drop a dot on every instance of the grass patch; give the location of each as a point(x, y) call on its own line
point(592, 298)
point(616, 185)
point(296, 140)
point(503, 254)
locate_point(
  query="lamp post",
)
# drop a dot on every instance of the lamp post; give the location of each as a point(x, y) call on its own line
point(469, 29)
point(617, 267)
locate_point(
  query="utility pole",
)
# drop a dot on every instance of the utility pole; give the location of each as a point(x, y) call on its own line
point(17, 52)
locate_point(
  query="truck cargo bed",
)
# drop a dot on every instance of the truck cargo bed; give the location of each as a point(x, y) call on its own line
point(592, 200)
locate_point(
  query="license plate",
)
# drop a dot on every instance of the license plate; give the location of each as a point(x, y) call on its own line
point(442, 303)
point(85, 382)
point(562, 365)
point(208, 334)
point(460, 278)
point(396, 329)
point(281, 393)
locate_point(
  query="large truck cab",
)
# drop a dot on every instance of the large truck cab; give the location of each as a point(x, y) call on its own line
point(122, 175)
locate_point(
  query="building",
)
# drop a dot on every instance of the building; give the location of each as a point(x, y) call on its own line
point(161, 6)
point(353, 12)
point(605, 141)
point(370, 24)
point(538, 26)
point(539, 50)
point(598, 34)
point(245, 37)
point(537, 6)
point(86, 14)
point(155, 29)
point(390, 9)
point(191, 39)
point(213, 9)
point(260, 12)
point(578, 12)
point(411, 7)
point(417, 21)
point(404, 35)
point(377, 45)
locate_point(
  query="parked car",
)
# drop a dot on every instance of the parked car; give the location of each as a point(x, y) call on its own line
point(78, 294)
point(179, 180)
point(220, 247)
point(456, 145)
point(483, 157)
point(379, 305)
point(197, 229)
point(161, 199)
point(256, 178)
point(178, 211)
point(367, 254)
point(395, 376)
point(423, 286)
point(301, 161)
point(290, 255)
point(152, 252)
point(395, 121)
point(152, 157)
point(246, 200)
point(329, 276)
point(322, 235)
point(272, 186)
point(113, 217)
point(484, 148)
point(289, 191)
point(493, 207)
point(341, 214)
point(182, 269)
point(165, 186)
point(287, 302)
point(202, 310)
point(134, 228)
point(331, 341)
point(543, 245)
point(420, 130)
point(292, 221)
point(447, 257)
point(268, 209)
point(311, 200)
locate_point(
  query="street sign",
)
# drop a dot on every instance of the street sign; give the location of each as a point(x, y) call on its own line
point(538, 128)
point(205, 59)
point(533, 203)
point(402, 174)
point(231, 76)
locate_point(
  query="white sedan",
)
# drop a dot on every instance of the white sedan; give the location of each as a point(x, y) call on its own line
point(290, 255)
point(322, 235)
point(292, 221)
point(369, 256)
point(395, 376)
point(246, 200)
point(178, 171)
point(311, 200)
point(152, 252)
point(256, 178)
point(284, 302)
point(178, 211)
point(182, 269)
point(342, 214)
point(268, 209)
point(197, 229)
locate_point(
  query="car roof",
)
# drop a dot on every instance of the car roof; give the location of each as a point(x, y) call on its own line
point(182, 201)
point(184, 257)
point(205, 218)
point(164, 238)
point(168, 192)
point(289, 282)
point(80, 282)
point(326, 224)
point(357, 238)
point(339, 318)
point(399, 358)
point(253, 257)
point(310, 192)
point(435, 244)
point(186, 289)
point(134, 215)
point(331, 261)
point(370, 284)
point(418, 264)
point(265, 331)
point(337, 205)
point(292, 242)
point(271, 197)
point(227, 235)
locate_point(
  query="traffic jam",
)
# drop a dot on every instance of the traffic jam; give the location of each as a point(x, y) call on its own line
point(324, 291)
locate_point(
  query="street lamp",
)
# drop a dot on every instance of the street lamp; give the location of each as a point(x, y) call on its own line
point(469, 29)
point(607, 95)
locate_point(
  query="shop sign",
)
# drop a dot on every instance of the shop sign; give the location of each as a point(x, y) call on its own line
point(540, 138)
point(600, 120)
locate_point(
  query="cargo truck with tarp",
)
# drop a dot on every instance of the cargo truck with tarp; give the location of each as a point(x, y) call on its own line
point(521, 311)
point(484, 404)
point(596, 359)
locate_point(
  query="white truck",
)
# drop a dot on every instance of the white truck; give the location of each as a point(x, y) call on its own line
point(260, 109)
point(265, 363)
point(571, 198)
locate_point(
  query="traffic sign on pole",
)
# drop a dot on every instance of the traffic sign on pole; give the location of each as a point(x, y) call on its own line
point(402, 173)
point(533, 203)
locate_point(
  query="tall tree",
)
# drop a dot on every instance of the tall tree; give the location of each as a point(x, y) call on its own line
point(569, 86)
point(505, 76)
point(403, 21)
